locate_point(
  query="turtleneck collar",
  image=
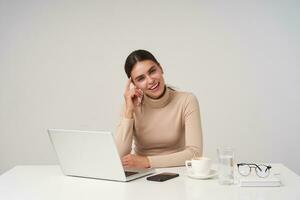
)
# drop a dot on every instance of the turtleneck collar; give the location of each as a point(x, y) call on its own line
point(158, 103)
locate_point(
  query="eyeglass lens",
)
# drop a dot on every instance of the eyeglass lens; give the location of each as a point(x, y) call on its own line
point(244, 170)
point(261, 170)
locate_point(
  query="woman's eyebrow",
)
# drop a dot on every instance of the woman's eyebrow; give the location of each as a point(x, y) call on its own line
point(151, 68)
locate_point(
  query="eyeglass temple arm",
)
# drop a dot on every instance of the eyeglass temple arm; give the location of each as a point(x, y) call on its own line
point(241, 164)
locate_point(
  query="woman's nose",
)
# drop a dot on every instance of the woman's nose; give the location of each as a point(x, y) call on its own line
point(150, 80)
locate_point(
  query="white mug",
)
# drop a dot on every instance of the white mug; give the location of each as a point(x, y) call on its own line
point(199, 166)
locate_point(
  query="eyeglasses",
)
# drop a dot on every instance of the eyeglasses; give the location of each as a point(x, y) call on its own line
point(261, 170)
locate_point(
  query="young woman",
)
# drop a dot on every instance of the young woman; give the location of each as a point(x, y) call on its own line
point(164, 124)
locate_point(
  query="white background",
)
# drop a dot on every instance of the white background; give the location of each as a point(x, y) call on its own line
point(61, 66)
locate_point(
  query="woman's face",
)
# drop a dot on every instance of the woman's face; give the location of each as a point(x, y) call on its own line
point(148, 76)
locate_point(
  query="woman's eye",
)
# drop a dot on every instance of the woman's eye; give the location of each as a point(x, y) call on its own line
point(140, 79)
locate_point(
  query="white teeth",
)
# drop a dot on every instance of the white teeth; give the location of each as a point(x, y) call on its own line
point(154, 86)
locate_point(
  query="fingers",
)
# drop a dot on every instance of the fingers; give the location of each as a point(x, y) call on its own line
point(135, 161)
point(127, 160)
point(128, 83)
point(133, 92)
point(140, 92)
point(133, 96)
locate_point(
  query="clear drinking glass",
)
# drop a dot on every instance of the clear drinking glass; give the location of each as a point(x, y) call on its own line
point(225, 165)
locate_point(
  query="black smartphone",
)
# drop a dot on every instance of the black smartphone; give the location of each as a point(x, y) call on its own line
point(162, 176)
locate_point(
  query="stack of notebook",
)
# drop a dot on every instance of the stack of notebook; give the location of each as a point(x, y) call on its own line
point(255, 181)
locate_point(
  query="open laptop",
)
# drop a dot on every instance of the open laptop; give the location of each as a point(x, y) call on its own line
point(91, 154)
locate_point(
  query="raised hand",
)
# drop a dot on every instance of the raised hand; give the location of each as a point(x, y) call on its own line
point(132, 97)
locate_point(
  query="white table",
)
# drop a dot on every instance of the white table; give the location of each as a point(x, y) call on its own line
point(47, 182)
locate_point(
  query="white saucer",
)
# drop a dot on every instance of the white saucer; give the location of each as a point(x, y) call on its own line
point(211, 174)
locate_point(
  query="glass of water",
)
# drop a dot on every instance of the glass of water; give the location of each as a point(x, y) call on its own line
point(225, 165)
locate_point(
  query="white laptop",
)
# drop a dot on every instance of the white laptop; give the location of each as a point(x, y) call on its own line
point(91, 154)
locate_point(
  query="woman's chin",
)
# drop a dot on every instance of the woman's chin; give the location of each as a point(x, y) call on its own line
point(155, 95)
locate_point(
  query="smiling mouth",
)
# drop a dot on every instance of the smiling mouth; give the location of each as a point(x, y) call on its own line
point(154, 86)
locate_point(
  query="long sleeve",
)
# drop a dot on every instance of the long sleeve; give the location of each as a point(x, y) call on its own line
point(124, 135)
point(193, 138)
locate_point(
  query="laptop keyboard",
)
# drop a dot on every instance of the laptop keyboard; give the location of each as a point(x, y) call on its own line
point(130, 173)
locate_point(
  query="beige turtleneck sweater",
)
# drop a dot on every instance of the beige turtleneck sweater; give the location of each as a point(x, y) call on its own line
point(166, 130)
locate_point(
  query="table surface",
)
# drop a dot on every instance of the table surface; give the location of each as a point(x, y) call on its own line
point(43, 182)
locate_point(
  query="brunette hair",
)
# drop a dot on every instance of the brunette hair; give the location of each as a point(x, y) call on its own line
point(137, 56)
